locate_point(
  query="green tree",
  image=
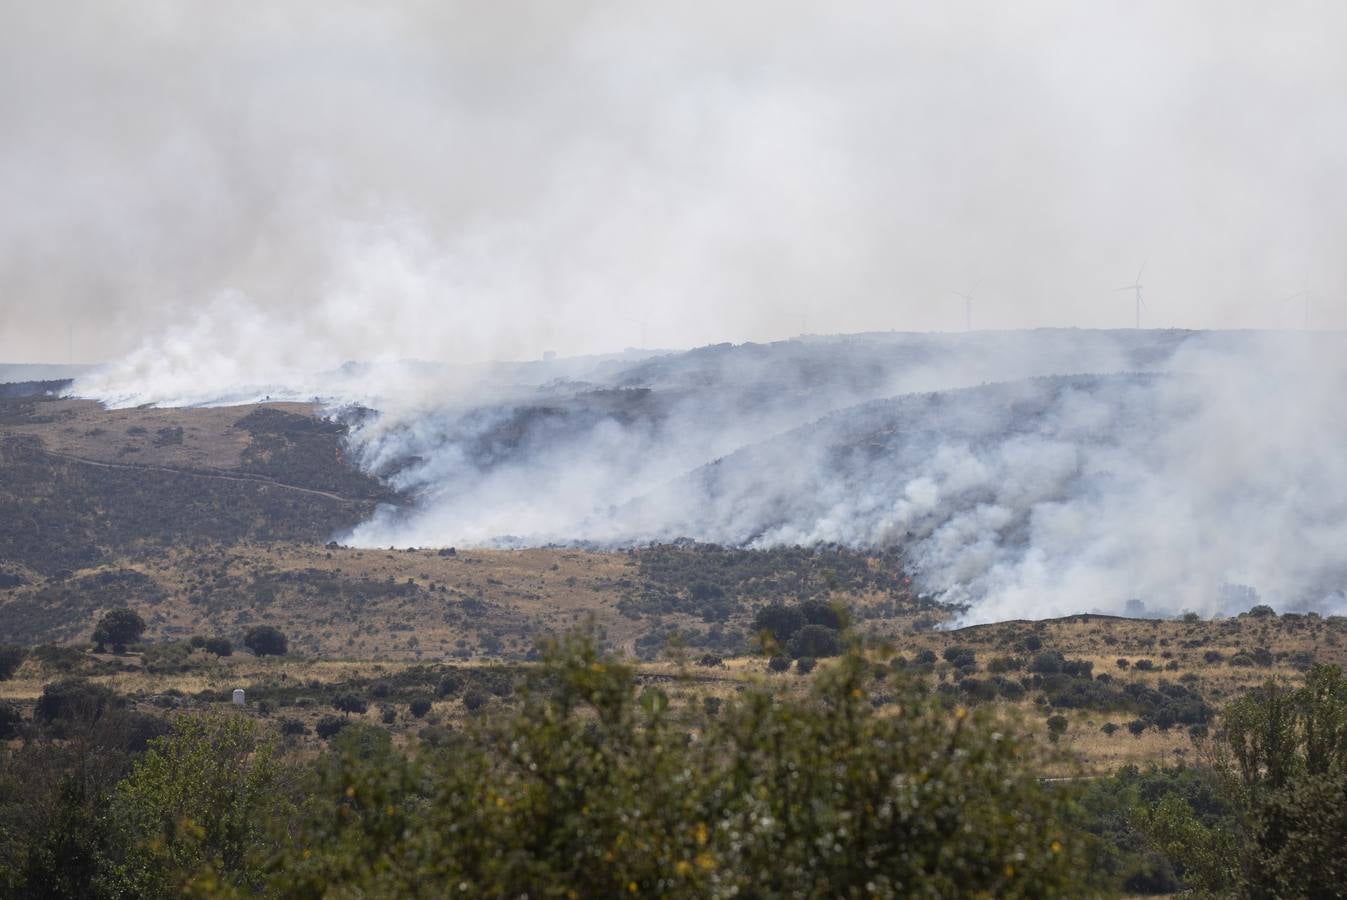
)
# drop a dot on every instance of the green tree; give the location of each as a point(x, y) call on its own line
point(1282, 753)
point(195, 807)
point(349, 702)
point(266, 640)
point(118, 627)
point(1057, 725)
point(778, 622)
point(815, 640)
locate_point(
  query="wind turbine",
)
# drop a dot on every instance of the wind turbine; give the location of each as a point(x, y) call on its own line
point(1136, 286)
point(968, 305)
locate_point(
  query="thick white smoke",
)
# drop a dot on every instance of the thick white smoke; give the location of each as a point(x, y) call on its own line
point(247, 201)
point(1024, 474)
point(458, 180)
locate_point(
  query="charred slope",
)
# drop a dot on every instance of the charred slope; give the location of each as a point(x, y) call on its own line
point(59, 514)
point(306, 452)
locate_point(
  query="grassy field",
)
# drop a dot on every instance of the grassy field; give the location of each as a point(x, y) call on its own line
point(301, 686)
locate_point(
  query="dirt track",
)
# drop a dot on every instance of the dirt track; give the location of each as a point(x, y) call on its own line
point(243, 477)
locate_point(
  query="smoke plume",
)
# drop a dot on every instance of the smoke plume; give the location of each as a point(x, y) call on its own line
point(374, 205)
point(1023, 474)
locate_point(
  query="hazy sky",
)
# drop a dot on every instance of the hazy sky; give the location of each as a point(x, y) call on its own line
point(467, 180)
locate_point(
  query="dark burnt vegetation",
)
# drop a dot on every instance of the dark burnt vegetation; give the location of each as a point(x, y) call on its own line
point(713, 583)
point(307, 452)
point(57, 515)
point(725, 588)
point(22, 403)
point(18, 390)
point(63, 608)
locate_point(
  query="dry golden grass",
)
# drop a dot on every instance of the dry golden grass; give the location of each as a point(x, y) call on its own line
point(1087, 750)
point(85, 429)
point(515, 594)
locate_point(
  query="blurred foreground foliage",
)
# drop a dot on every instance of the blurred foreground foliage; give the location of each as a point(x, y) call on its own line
point(1280, 759)
point(595, 782)
point(592, 785)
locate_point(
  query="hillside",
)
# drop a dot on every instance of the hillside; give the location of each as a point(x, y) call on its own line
point(211, 520)
point(214, 518)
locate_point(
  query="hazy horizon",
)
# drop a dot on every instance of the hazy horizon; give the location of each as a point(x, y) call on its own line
point(451, 182)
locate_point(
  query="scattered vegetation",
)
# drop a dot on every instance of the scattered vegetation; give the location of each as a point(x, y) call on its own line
point(581, 788)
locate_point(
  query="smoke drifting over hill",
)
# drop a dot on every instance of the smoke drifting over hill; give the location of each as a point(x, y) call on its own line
point(232, 202)
point(1025, 474)
point(220, 188)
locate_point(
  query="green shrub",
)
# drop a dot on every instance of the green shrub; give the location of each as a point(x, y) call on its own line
point(960, 657)
point(220, 646)
point(449, 685)
point(1057, 725)
point(167, 657)
point(74, 698)
point(11, 657)
point(778, 621)
point(266, 640)
point(10, 719)
point(293, 728)
point(1046, 662)
point(349, 702)
point(328, 726)
point(584, 789)
point(815, 640)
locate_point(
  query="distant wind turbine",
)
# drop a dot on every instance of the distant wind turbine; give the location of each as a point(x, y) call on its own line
point(1136, 286)
point(968, 305)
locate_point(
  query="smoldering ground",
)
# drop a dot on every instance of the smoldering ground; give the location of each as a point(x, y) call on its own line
point(1024, 474)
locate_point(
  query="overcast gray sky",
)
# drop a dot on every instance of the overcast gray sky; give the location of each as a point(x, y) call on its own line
point(467, 180)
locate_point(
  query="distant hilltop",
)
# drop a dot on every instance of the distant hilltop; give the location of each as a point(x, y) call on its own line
point(12, 372)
